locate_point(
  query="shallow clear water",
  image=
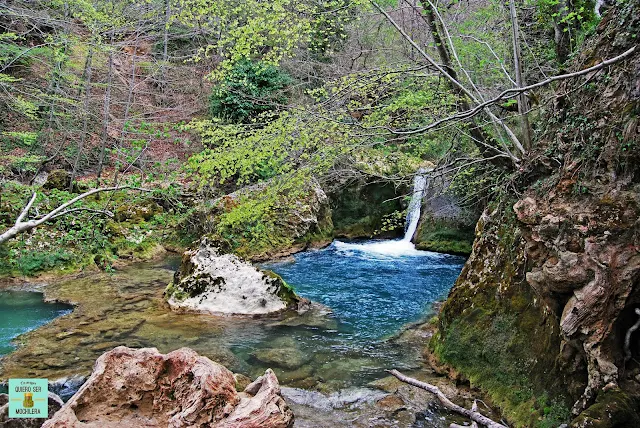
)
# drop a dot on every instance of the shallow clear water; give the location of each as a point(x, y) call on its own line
point(373, 288)
point(21, 311)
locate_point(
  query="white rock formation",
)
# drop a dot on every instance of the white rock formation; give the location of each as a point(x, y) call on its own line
point(216, 283)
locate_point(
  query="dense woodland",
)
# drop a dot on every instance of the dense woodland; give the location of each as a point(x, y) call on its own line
point(130, 128)
point(194, 99)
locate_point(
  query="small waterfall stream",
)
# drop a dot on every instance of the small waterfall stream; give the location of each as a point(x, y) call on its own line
point(398, 247)
point(413, 212)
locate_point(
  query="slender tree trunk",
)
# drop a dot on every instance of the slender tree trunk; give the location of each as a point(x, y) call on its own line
point(132, 86)
point(483, 142)
point(85, 120)
point(52, 89)
point(523, 102)
point(562, 31)
point(165, 55)
point(105, 118)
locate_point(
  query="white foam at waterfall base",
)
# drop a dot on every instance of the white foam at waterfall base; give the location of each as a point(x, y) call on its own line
point(388, 248)
point(396, 247)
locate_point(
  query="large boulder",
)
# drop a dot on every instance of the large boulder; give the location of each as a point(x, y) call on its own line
point(446, 225)
point(54, 404)
point(211, 281)
point(267, 220)
point(58, 179)
point(181, 389)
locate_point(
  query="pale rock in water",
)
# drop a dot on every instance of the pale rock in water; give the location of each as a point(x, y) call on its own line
point(212, 282)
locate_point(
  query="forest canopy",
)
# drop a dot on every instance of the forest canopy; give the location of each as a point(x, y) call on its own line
point(210, 96)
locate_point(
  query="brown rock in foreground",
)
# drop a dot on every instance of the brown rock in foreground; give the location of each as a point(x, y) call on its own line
point(142, 387)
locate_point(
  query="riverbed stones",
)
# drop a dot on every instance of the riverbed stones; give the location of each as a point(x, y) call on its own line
point(283, 353)
point(213, 282)
point(181, 389)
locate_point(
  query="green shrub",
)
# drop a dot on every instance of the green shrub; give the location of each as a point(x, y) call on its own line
point(31, 262)
point(250, 88)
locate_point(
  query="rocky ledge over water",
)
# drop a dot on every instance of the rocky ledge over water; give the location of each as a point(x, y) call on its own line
point(146, 388)
point(211, 281)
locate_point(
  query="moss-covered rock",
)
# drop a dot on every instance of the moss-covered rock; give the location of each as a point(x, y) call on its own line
point(445, 225)
point(539, 313)
point(267, 220)
point(59, 179)
point(137, 212)
point(612, 409)
point(211, 281)
point(492, 330)
point(442, 237)
point(358, 209)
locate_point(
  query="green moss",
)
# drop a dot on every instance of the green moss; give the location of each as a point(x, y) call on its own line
point(173, 291)
point(285, 290)
point(445, 246)
point(491, 332)
point(445, 236)
point(492, 351)
point(612, 409)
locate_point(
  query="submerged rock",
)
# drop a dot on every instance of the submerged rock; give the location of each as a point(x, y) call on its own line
point(55, 403)
point(283, 353)
point(213, 282)
point(181, 389)
point(67, 386)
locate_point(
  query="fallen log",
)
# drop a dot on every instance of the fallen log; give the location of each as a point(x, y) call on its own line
point(474, 415)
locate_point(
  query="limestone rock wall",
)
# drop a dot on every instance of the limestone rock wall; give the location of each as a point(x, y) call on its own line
point(540, 312)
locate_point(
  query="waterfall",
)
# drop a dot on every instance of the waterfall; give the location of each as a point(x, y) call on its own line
point(413, 212)
point(396, 247)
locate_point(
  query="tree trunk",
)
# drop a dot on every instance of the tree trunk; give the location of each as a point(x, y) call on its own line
point(473, 414)
point(481, 139)
point(523, 102)
point(562, 31)
point(85, 120)
point(105, 117)
point(165, 55)
point(132, 86)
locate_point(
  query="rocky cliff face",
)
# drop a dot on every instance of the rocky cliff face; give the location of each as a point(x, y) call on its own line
point(446, 226)
point(358, 209)
point(541, 314)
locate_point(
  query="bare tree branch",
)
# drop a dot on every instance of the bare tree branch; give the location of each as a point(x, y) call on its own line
point(471, 414)
point(511, 93)
point(21, 226)
point(453, 81)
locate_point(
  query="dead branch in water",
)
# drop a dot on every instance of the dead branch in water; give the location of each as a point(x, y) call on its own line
point(472, 414)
